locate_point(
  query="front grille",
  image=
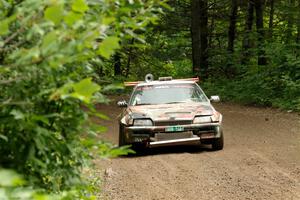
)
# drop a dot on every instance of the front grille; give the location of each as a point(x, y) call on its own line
point(172, 123)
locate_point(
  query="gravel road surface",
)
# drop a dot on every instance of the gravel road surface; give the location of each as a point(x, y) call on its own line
point(260, 160)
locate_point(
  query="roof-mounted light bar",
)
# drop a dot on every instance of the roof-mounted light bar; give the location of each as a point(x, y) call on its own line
point(132, 83)
point(169, 78)
point(189, 79)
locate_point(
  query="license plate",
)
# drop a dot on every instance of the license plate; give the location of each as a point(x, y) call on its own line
point(174, 129)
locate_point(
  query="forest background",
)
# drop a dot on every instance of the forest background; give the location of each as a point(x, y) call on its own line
point(59, 58)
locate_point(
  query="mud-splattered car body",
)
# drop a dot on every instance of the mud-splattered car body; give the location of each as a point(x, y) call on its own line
point(161, 113)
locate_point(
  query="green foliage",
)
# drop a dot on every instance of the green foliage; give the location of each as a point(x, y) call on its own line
point(14, 186)
point(108, 46)
point(168, 52)
point(48, 51)
point(277, 84)
point(10, 178)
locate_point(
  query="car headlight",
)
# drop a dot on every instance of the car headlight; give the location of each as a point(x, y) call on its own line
point(216, 117)
point(200, 120)
point(128, 119)
point(142, 122)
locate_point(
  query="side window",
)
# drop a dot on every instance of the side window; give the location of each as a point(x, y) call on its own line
point(136, 97)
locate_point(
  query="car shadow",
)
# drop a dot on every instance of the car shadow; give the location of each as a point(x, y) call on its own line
point(178, 149)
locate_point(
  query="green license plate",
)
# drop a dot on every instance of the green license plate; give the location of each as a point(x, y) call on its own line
point(174, 129)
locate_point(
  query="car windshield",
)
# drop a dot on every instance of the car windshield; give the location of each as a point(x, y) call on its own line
point(167, 94)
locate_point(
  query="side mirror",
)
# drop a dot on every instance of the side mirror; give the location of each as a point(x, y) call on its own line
point(122, 103)
point(215, 99)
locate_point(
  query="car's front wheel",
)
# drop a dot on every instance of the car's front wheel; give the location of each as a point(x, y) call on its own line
point(121, 136)
point(218, 143)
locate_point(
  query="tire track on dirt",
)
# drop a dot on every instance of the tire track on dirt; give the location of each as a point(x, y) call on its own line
point(260, 160)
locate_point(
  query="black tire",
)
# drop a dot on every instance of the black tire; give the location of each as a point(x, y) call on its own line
point(218, 143)
point(121, 136)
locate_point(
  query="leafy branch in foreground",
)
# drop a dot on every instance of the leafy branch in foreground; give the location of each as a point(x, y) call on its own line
point(46, 95)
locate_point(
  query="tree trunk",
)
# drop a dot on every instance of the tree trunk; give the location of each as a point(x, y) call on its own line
point(232, 26)
point(204, 38)
point(260, 32)
point(298, 24)
point(248, 29)
point(129, 57)
point(298, 30)
point(211, 30)
point(195, 35)
point(117, 64)
point(290, 21)
point(199, 32)
point(127, 69)
point(271, 19)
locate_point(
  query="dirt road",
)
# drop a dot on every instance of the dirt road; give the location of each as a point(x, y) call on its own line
point(260, 160)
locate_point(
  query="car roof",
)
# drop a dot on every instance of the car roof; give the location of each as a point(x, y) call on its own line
point(165, 82)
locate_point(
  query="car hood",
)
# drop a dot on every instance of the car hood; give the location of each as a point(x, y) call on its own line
point(178, 111)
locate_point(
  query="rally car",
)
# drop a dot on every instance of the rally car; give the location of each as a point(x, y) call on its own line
point(169, 112)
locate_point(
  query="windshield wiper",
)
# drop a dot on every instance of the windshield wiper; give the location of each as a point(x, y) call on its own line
point(174, 102)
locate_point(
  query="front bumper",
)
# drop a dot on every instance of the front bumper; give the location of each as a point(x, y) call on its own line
point(147, 134)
